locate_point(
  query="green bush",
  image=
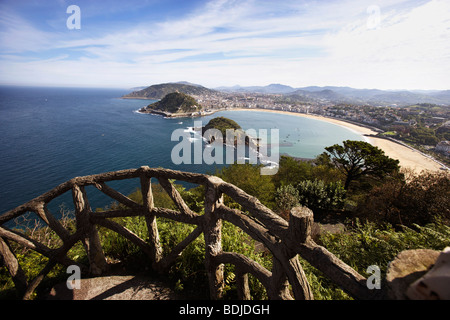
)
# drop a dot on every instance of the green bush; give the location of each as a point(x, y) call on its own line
point(369, 244)
point(319, 196)
point(286, 198)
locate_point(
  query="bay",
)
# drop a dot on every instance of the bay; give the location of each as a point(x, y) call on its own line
point(50, 135)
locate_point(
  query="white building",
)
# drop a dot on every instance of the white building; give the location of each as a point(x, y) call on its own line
point(443, 147)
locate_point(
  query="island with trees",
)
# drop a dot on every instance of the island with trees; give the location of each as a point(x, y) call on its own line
point(175, 104)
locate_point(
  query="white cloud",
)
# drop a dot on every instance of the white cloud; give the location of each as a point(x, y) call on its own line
point(408, 47)
point(247, 42)
point(18, 35)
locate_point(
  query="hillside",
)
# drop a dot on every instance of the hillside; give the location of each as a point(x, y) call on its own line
point(311, 94)
point(172, 104)
point(221, 124)
point(159, 91)
point(349, 95)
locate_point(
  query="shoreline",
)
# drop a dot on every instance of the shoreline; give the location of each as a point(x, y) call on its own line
point(408, 156)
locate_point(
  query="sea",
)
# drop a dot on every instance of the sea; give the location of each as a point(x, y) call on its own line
point(50, 135)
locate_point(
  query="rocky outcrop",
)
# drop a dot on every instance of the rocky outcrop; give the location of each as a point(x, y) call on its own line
point(405, 269)
point(435, 284)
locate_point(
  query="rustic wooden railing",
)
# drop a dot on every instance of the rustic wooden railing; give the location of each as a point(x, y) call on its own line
point(284, 240)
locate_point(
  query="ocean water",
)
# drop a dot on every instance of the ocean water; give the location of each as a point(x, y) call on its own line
point(50, 135)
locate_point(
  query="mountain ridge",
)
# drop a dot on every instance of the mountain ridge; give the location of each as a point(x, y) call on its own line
point(350, 95)
point(331, 94)
point(159, 91)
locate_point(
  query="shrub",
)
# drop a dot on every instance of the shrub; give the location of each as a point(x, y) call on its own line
point(420, 200)
point(370, 244)
point(319, 196)
point(286, 197)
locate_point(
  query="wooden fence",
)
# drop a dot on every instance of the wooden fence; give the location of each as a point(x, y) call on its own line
point(285, 240)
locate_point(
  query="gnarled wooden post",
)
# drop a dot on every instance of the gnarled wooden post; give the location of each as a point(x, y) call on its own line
point(299, 239)
point(279, 289)
point(11, 263)
point(153, 234)
point(91, 240)
point(243, 290)
point(299, 230)
point(301, 220)
point(213, 239)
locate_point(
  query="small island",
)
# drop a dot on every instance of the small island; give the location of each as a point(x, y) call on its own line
point(176, 105)
point(223, 124)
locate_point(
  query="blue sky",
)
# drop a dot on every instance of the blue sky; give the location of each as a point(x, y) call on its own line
point(387, 44)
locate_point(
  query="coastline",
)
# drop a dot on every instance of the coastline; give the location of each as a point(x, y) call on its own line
point(409, 157)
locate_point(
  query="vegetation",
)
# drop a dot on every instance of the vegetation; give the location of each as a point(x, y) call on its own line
point(419, 200)
point(176, 102)
point(222, 124)
point(383, 214)
point(248, 178)
point(356, 159)
point(319, 196)
point(159, 91)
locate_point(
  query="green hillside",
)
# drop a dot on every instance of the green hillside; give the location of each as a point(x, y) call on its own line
point(159, 91)
point(176, 102)
point(222, 124)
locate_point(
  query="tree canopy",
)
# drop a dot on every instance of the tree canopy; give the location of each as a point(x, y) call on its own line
point(176, 102)
point(359, 158)
point(222, 124)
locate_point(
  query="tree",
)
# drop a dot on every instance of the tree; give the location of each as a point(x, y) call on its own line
point(358, 158)
point(291, 171)
point(248, 178)
point(421, 199)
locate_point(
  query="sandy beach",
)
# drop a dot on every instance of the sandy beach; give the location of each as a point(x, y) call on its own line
point(408, 157)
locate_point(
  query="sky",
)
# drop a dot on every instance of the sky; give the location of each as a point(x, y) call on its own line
point(386, 44)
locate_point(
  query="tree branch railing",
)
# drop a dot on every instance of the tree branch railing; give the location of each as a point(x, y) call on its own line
point(285, 240)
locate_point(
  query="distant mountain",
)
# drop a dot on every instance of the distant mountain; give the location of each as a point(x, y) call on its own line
point(442, 95)
point(271, 88)
point(380, 97)
point(324, 94)
point(159, 91)
point(276, 88)
point(309, 94)
point(348, 95)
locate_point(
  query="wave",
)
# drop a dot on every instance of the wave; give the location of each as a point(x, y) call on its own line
point(138, 111)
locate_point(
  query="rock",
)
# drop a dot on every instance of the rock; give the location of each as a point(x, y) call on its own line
point(407, 267)
point(435, 284)
point(115, 288)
